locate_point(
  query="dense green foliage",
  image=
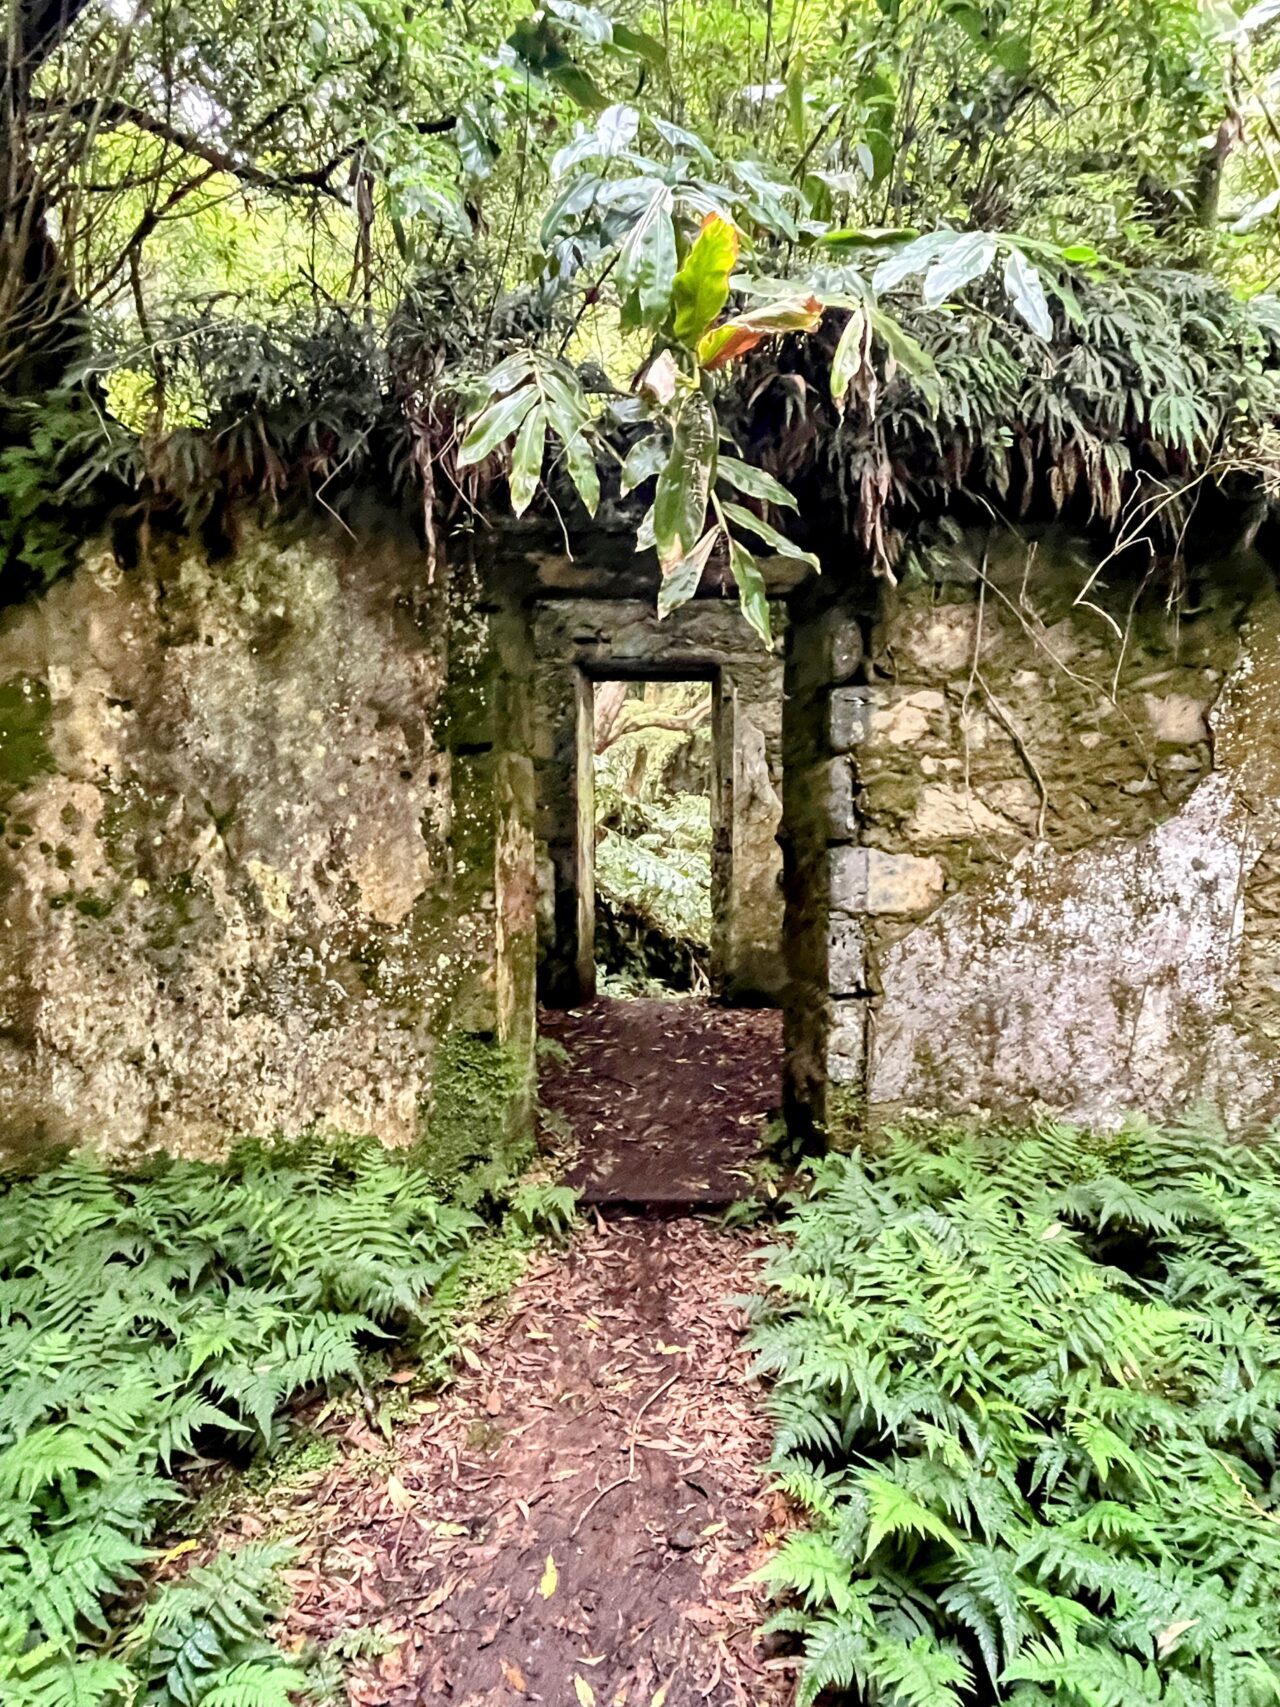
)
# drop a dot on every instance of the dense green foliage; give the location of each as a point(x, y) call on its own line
point(151, 1317)
point(653, 839)
point(284, 245)
point(1028, 1391)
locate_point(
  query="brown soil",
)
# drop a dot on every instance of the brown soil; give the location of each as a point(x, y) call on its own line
point(573, 1522)
point(667, 1100)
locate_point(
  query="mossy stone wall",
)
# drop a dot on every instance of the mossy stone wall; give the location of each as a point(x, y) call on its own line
point(257, 873)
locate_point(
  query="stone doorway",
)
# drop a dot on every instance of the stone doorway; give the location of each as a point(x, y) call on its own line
point(654, 809)
point(583, 644)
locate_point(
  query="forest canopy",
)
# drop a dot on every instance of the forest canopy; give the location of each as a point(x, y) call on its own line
point(256, 246)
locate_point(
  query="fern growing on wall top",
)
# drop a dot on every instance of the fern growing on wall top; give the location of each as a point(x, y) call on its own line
point(1027, 1388)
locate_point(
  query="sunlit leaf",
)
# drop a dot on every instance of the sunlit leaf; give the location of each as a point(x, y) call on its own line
point(963, 260)
point(852, 358)
point(526, 459)
point(723, 344)
point(496, 424)
point(681, 138)
point(701, 287)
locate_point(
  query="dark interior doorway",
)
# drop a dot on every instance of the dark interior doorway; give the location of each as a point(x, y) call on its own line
point(653, 786)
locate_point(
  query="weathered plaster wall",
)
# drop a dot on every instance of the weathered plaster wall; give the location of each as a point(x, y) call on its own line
point(1053, 872)
point(248, 883)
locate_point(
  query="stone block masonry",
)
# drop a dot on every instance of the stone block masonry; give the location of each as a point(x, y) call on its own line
point(1047, 828)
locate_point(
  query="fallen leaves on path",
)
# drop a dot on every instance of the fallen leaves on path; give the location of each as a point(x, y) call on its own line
point(588, 1541)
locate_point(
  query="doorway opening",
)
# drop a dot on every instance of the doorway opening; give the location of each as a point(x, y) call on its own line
point(653, 789)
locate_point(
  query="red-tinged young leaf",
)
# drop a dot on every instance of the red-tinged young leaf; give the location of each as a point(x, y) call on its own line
point(723, 344)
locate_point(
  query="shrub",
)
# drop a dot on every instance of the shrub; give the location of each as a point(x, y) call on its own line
point(1027, 1389)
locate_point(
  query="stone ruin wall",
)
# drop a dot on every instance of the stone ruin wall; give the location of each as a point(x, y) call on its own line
point(266, 849)
point(1048, 809)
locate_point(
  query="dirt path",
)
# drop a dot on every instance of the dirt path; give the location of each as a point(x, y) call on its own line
point(574, 1520)
point(666, 1099)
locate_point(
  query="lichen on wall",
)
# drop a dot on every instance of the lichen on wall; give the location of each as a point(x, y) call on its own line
point(1099, 787)
point(226, 878)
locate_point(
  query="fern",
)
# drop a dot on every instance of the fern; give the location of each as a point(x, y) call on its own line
point(1071, 1464)
point(144, 1316)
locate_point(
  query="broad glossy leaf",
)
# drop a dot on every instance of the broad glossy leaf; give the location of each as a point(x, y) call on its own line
point(647, 258)
point(917, 257)
point(576, 197)
point(754, 482)
point(770, 535)
point(751, 589)
point(963, 260)
point(582, 470)
point(726, 343)
point(616, 129)
point(1026, 292)
point(680, 582)
point(496, 424)
point(680, 502)
point(701, 287)
point(526, 459)
point(642, 462)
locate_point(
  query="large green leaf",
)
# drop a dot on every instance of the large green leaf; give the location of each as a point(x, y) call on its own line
point(642, 462)
point(526, 459)
point(680, 502)
point(680, 582)
point(910, 355)
point(701, 287)
point(497, 423)
point(770, 535)
point(647, 259)
point(963, 260)
point(754, 482)
point(751, 589)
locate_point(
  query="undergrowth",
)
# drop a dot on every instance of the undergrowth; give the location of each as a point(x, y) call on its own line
point(151, 1319)
point(1027, 1390)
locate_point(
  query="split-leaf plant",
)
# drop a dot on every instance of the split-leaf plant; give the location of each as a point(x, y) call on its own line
point(147, 1319)
point(1027, 1390)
